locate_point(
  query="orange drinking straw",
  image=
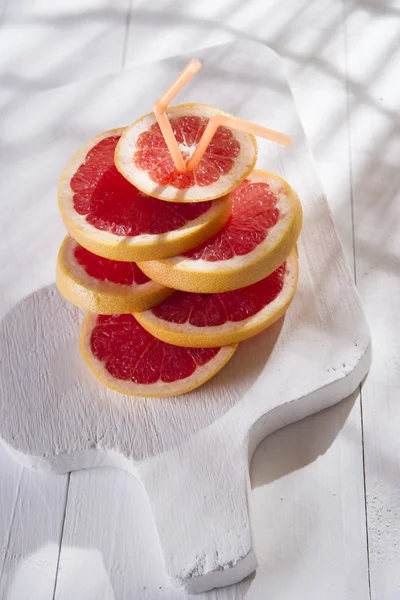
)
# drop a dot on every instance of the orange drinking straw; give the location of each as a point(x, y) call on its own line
point(161, 105)
point(236, 123)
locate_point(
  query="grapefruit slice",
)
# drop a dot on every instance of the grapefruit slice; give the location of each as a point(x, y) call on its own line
point(209, 320)
point(102, 285)
point(262, 231)
point(107, 215)
point(128, 359)
point(143, 158)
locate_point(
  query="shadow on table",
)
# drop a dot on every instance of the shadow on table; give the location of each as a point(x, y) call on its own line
point(299, 444)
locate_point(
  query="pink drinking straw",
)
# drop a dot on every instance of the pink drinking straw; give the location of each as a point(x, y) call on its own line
point(215, 121)
point(235, 123)
point(161, 105)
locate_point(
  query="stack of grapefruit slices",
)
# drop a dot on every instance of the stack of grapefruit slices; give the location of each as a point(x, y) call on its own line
point(174, 269)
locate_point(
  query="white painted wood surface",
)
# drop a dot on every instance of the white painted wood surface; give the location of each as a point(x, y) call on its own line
point(190, 454)
point(374, 99)
point(321, 489)
point(31, 519)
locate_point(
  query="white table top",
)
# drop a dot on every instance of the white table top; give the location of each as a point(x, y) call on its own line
point(333, 520)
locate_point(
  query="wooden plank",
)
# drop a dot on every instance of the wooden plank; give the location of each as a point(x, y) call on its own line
point(31, 517)
point(374, 63)
point(307, 503)
point(43, 44)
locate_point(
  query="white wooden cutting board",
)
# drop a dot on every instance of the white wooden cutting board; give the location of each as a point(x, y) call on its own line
point(191, 453)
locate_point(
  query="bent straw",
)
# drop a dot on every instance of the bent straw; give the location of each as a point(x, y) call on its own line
point(236, 123)
point(161, 105)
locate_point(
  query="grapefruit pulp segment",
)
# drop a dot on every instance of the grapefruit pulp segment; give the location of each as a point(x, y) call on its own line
point(128, 359)
point(208, 320)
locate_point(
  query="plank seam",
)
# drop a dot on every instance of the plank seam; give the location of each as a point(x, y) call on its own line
point(365, 493)
point(61, 537)
point(349, 140)
point(3, 12)
point(14, 510)
point(126, 35)
point(353, 235)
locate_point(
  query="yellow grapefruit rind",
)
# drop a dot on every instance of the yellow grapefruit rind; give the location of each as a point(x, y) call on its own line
point(202, 276)
point(230, 332)
point(102, 297)
point(141, 247)
point(158, 389)
point(126, 147)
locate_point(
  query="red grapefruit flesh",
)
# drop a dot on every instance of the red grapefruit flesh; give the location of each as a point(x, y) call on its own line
point(112, 271)
point(130, 360)
point(112, 218)
point(207, 320)
point(262, 231)
point(152, 154)
point(102, 285)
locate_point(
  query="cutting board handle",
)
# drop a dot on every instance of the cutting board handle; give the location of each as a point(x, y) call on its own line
point(198, 494)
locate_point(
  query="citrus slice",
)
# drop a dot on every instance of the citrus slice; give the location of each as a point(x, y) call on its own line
point(262, 231)
point(208, 320)
point(143, 158)
point(102, 285)
point(107, 215)
point(128, 359)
